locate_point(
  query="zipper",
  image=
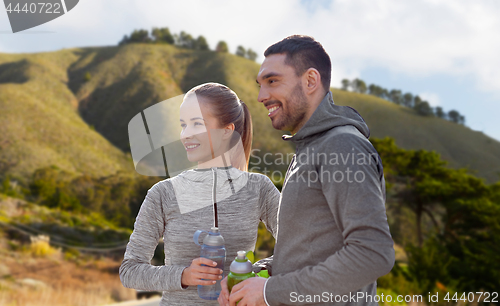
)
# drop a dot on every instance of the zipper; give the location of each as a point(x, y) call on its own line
point(214, 197)
point(287, 175)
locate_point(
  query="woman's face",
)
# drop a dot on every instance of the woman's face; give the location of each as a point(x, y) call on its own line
point(200, 134)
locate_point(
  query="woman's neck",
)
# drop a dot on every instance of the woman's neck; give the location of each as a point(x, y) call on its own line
point(216, 162)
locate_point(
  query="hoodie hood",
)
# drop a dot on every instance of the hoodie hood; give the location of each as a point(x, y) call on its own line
point(194, 188)
point(328, 116)
point(202, 175)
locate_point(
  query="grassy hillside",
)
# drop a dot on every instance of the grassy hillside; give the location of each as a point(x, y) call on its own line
point(45, 96)
point(40, 124)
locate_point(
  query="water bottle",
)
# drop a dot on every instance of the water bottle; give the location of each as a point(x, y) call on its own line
point(213, 249)
point(240, 269)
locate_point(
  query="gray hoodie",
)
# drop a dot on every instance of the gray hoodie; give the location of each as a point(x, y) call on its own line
point(333, 237)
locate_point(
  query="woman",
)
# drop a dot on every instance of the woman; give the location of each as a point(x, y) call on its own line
point(212, 117)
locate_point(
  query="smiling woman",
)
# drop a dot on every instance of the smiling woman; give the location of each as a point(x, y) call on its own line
point(212, 119)
point(216, 132)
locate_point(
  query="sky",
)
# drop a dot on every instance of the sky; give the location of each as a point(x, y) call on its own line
point(445, 51)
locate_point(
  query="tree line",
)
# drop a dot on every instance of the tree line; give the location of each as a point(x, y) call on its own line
point(409, 100)
point(182, 40)
point(454, 241)
point(117, 197)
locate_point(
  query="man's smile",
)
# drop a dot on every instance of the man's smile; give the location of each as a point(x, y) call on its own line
point(273, 110)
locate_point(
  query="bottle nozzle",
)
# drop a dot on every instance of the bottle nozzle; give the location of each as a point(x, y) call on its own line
point(241, 254)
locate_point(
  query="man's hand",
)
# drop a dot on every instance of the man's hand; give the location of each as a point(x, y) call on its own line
point(224, 293)
point(249, 292)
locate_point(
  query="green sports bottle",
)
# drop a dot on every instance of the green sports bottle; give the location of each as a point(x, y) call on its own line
point(240, 269)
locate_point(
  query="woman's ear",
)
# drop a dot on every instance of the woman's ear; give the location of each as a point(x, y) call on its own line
point(228, 131)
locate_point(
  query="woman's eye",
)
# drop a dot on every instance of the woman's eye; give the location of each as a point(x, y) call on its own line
point(198, 123)
point(183, 125)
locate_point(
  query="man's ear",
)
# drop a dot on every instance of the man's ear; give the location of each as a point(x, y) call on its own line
point(312, 80)
point(228, 131)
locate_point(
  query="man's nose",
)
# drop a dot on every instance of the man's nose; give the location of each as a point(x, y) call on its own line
point(263, 95)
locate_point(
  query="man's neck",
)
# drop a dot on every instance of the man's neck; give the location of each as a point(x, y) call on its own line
point(313, 103)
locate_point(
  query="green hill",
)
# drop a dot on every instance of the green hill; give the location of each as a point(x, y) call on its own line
point(52, 102)
point(40, 123)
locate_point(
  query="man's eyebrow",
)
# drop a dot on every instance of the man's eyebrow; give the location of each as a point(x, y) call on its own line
point(269, 75)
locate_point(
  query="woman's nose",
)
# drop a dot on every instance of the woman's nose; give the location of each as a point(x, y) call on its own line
point(186, 133)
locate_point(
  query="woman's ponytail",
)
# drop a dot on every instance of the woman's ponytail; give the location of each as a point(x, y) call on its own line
point(247, 133)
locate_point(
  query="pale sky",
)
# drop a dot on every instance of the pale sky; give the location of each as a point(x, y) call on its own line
point(445, 51)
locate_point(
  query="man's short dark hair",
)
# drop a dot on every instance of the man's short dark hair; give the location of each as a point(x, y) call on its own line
point(303, 52)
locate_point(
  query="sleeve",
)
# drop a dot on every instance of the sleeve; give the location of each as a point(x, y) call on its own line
point(269, 203)
point(136, 270)
point(269, 200)
point(358, 207)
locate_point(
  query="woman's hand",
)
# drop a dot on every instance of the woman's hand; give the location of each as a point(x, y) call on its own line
point(194, 274)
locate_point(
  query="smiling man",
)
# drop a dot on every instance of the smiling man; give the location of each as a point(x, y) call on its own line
point(333, 237)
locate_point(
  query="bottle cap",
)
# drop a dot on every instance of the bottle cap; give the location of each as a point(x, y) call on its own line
point(213, 238)
point(241, 265)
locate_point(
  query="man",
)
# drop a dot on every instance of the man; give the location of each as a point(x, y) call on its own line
point(333, 237)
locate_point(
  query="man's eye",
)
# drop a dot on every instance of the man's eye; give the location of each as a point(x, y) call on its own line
point(272, 81)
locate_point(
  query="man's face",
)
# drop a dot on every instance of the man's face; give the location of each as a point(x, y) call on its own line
point(281, 92)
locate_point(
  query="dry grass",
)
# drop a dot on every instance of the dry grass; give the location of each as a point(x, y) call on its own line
point(27, 280)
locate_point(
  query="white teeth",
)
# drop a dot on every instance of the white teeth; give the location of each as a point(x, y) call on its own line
point(272, 109)
point(192, 146)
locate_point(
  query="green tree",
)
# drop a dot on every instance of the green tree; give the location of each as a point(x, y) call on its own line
point(358, 85)
point(416, 101)
point(429, 264)
point(408, 99)
point(9, 188)
point(163, 35)
point(440, 113)
point(345, 84)
point(125, 40)
point(462, 250)
point(222, 47)
point(454, 116)
point(139, 36)
point(201, 44)
point(376, 91)
point(396, 96)
point(251, 55)
point(240, 51)
point(185, 40)
point(462, 120)
point(424, 109)
point(361, 86)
